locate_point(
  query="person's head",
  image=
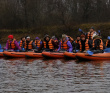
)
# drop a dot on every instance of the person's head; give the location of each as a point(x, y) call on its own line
point(10, 37)
point(28, 38)
point(47, 37)
point(53, 38)
point(37, 39)
point(92, 29)
point(78, 38)
point(23, 39)
point(83, 37)
point(64, 37)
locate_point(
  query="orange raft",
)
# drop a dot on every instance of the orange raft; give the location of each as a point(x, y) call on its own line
point(53, 55)
point(14, 54)
point(1, 54)
point(33, 55)
point(98, 56)
point(70, 55)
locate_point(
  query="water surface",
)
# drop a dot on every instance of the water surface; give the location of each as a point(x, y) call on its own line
point(54, 76)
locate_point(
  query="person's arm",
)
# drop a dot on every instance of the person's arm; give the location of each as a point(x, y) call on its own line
point(70, 46)
point(17, 45)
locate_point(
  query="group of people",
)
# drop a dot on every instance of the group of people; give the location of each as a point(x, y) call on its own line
point(86, 41)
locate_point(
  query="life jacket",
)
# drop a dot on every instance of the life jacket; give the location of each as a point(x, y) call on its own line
point(38, 44)
point(86, 45)
point(11, 44)
point(108, 43)
point(90, 34)
point(49, 44)
point(21, 43)
point(29, 45)
point(100, 46)
point(77, 41)
point(64, 45)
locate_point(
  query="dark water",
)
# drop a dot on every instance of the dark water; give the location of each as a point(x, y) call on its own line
point(54, 76)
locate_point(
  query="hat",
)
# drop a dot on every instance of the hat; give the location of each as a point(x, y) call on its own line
point(27, 37)
point(53, 37)
point(10, 36)
point(92, 28)
point(63, 35)
point(83, 36)
point(97, 37)
point(46, 36)
point(37, 38)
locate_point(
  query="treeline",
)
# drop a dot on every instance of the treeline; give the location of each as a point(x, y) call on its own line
point(16, 14)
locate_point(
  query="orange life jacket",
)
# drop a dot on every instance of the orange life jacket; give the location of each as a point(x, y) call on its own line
point(12, 44)
point(64, 45)
point(49, 44)
point(86, 45)
point(100, 46)
point(29, 45)
point(21, 43)
point(76, 41)
point(38, 44)
point(90, 34)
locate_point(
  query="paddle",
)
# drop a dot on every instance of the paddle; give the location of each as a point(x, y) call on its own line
point(90, 52)
point(107, 50)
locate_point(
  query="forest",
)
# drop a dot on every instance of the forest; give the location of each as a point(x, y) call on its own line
point(53, 16)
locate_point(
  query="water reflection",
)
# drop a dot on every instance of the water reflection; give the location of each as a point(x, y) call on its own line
point(53, 76)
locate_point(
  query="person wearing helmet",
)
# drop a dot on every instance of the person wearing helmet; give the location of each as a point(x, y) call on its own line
point(12, 44)
point(65, 44)
point(28, 44)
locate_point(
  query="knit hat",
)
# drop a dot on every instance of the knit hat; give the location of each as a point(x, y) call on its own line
point(27, 37)
point(63, 36)
point(92, 28)
point(37, 38)
point(10, 36)
point(53, 37)
point(97, 37)
point(46, 36)
point(83, 36)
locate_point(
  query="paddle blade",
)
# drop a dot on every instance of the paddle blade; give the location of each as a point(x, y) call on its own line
point(90, 52)
point(107, 50)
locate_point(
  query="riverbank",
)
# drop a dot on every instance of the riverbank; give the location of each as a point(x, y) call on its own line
point(54, 30)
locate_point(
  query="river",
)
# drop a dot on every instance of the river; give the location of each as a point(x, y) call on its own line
point(54, 76)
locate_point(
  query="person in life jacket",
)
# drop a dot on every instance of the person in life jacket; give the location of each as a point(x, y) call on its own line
point(22, 41)
point(108, 42)
point(28, 44)
point(12, 44)
point(48, 44)
point(76, 42)
point(37, 42)
point(90, 33)
point(97, 43)
point(56, 42)
point(83, 44)
point(65, 44)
